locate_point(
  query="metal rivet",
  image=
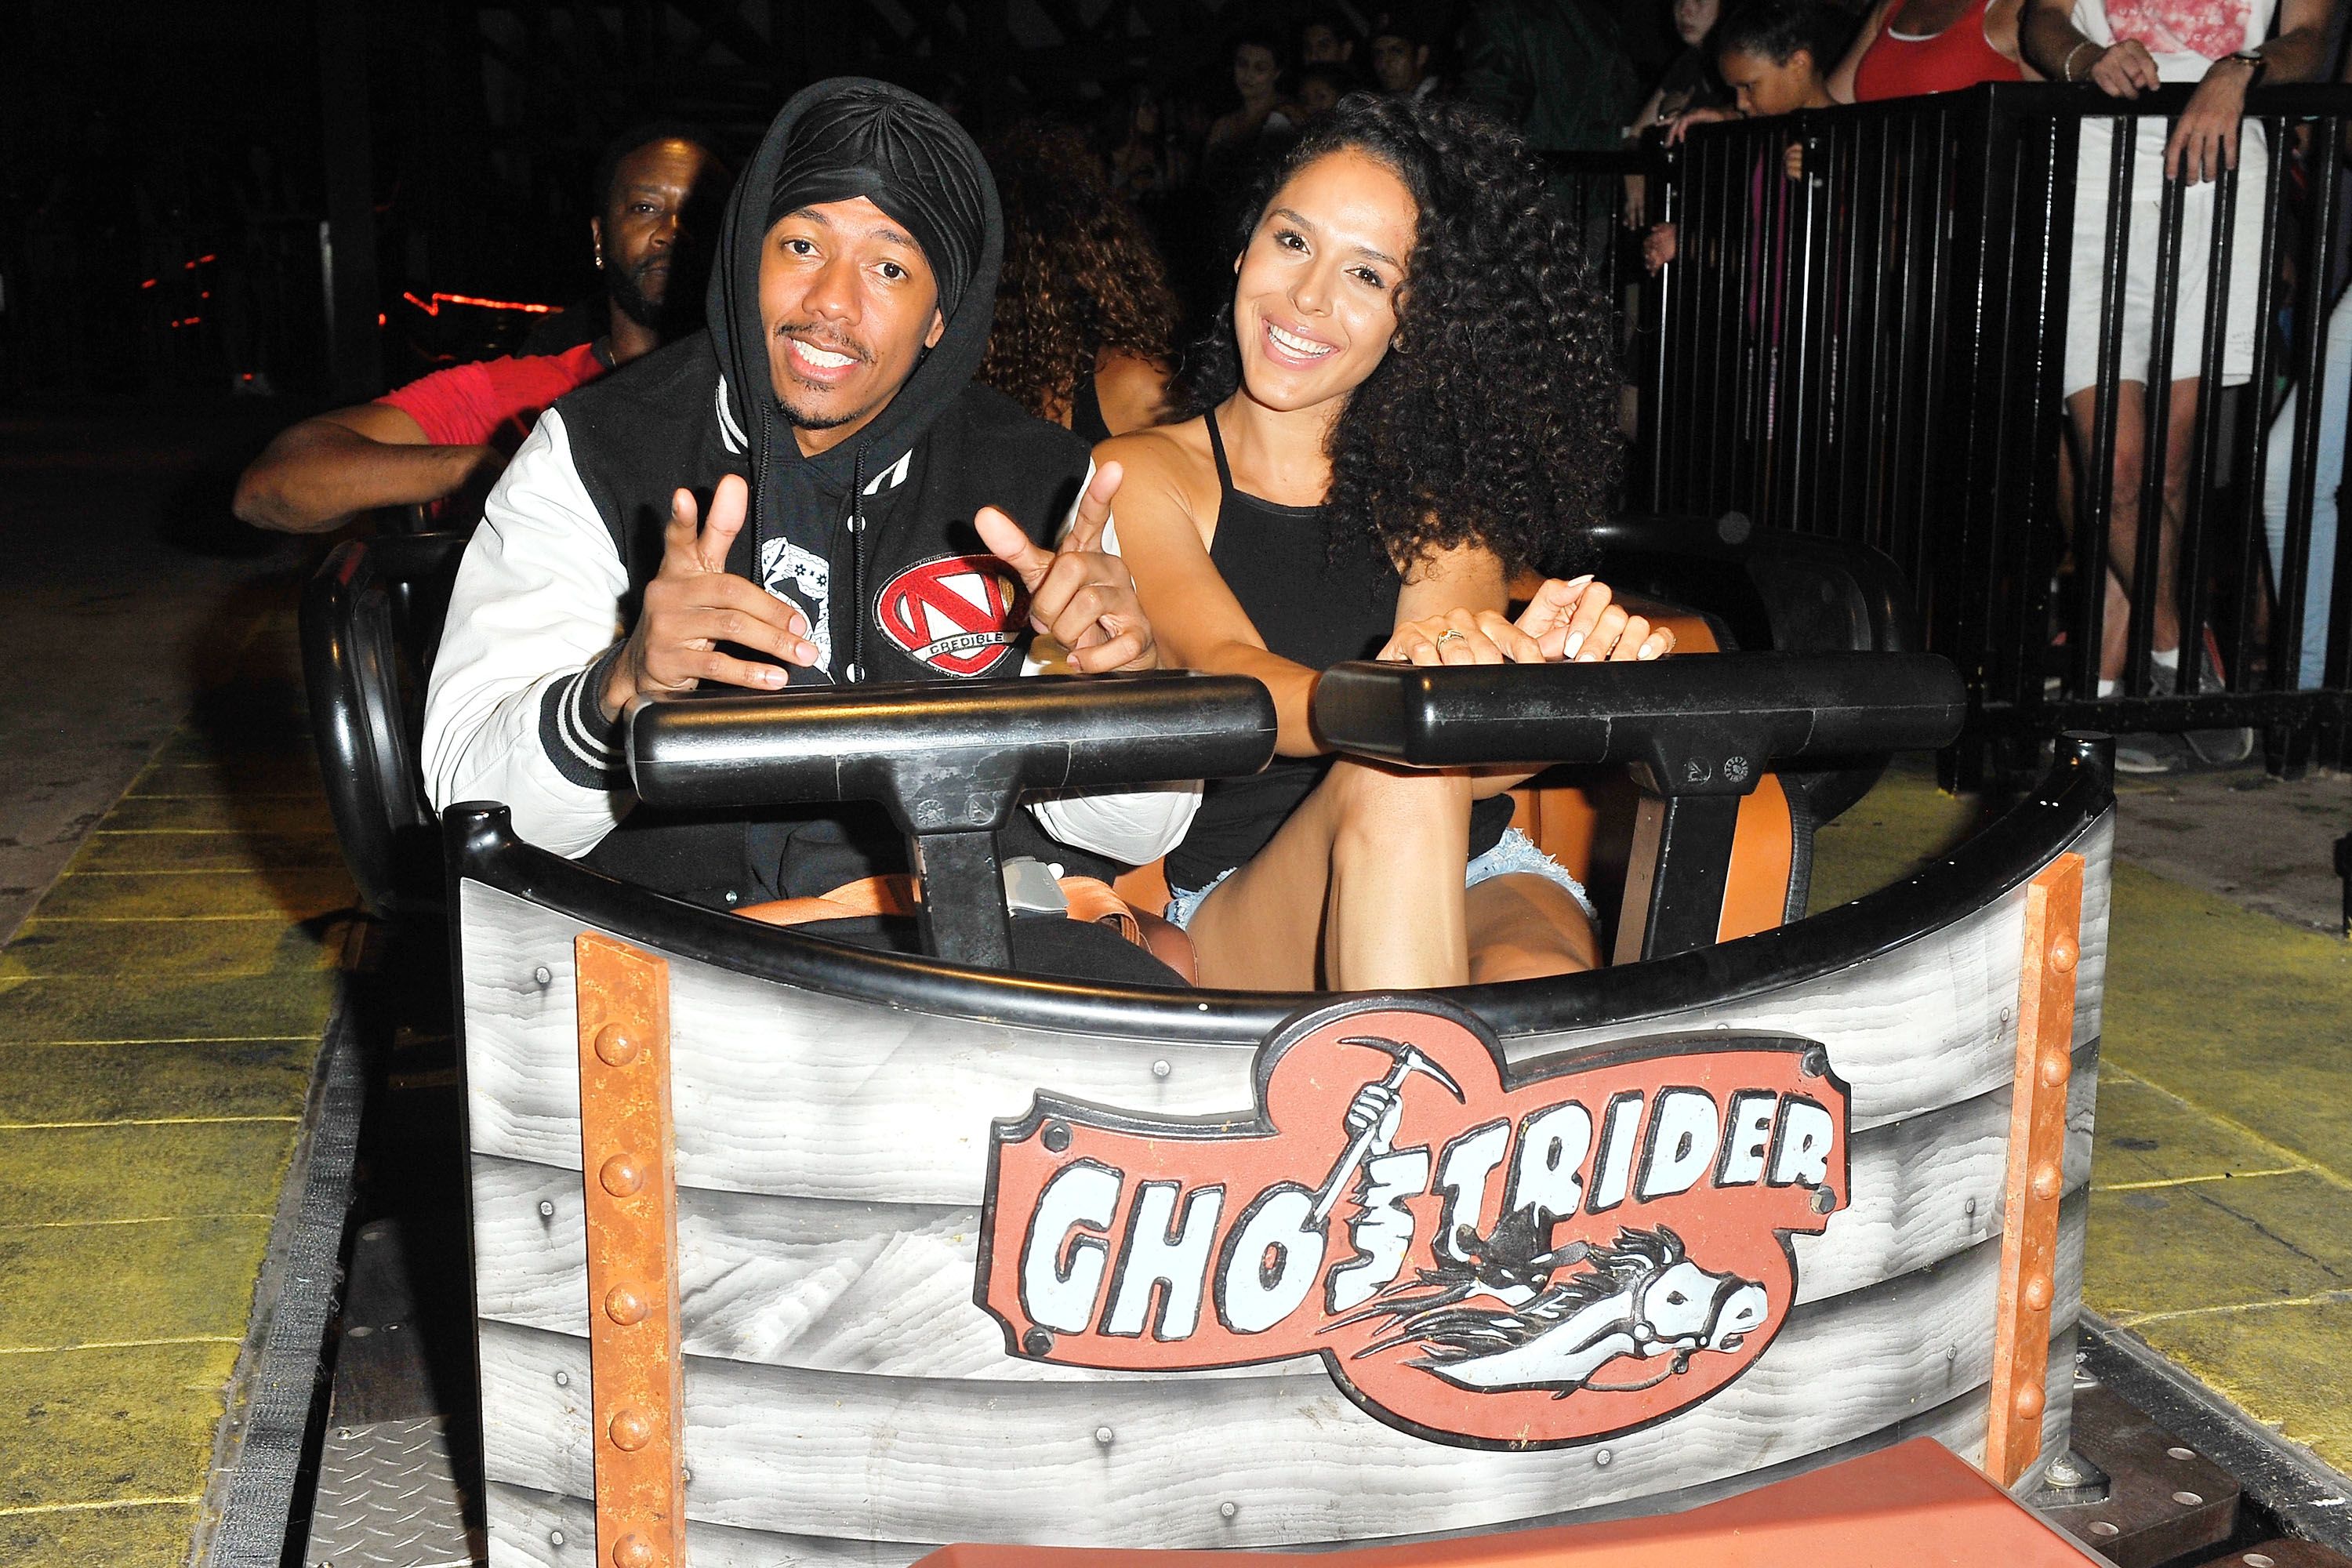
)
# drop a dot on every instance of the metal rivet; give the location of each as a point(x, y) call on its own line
point(686, 1475)
point(562, 1379)
point(1951, 1352)
point(1038, 1342)
point(621, 1176)
point(631, 1430)
point(1603, 1458)
point(624, 1306)
point(543, 975)
point(2064, 1472)
point(2055, 1068)
point(1058, 1136)
point(1823, 1200)
point(547, 1208)
point(2047, 1181)
point(1969, 1209)
point(2101, 1527)
point(1229, 1509)
point(1159, 1069)
point(1815, 1063)
point(2004, 1014)
point(555, 1537)
point(2037, 1291)
point(633, 1551)
point(2188, 1499)
point(733, 897)
point(2028, 1402)
point(1103, 1435)
point(615, 1047)
point(2062, 953)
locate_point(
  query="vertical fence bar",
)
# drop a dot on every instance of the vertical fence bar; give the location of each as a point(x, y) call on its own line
point(2148, 538)
point(2094, 516)
point(2309, 369)
point(2204, 457)
point(2255, 438)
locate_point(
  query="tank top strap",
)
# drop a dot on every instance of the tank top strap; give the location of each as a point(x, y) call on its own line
point(1217, 449)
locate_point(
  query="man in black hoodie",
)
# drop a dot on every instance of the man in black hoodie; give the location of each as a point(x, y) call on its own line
point(827, 427)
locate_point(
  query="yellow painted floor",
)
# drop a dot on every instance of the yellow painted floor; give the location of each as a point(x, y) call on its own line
point(159, 1014)
point(2221, 1181)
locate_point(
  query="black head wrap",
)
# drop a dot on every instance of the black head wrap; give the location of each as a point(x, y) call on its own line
point(907, 157)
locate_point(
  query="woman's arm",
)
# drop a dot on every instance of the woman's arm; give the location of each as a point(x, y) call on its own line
point(1132, 391)
point(1841, 83)
point(1200, 623)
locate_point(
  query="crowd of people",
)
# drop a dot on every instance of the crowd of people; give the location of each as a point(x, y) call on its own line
point(943, 416)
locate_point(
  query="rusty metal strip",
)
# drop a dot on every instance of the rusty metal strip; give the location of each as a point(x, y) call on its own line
point(627, 1160)
point(2037, 1147)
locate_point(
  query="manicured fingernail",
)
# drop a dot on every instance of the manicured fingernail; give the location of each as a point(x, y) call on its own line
point(1575, 641)
point(1576, 582)
point(1649, 650)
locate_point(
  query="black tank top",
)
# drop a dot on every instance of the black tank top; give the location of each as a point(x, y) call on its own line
point(1313, 610)
point(1087, 415)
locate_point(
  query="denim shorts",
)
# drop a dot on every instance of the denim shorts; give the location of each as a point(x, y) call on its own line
point(1513, 852)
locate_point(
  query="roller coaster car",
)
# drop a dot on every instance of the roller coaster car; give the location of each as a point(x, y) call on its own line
point(787, 1250)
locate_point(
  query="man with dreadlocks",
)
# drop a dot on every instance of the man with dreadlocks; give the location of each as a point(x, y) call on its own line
point(807, 491)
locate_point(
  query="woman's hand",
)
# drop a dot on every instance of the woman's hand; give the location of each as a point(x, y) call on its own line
point(1573, 620)
point(1580, 620)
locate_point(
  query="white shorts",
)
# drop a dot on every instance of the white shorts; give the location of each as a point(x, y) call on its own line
point(2139, 275)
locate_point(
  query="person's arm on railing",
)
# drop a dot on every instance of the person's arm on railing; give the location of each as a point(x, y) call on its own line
point(2206, 140)
point(320, 473)
point(2054, 46)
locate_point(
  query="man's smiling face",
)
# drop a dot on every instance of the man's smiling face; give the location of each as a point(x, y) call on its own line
point(848, 304)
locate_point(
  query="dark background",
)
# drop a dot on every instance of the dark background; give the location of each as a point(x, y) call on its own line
point(165, 169)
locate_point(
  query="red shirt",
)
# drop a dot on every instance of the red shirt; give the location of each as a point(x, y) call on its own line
point(493, 402)
point(1955, 58)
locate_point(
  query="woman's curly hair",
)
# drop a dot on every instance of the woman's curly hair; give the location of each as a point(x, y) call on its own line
point(1080, 274)
point(1493, 418)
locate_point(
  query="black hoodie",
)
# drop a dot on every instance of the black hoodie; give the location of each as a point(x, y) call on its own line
point(872, 539)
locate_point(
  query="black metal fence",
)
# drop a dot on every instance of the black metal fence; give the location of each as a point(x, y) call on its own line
point(1866, 331)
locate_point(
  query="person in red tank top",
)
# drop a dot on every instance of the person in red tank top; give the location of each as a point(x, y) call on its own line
point(1907, 48)
point(450, 433)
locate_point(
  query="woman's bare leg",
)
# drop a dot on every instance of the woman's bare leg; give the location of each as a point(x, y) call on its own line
point(1523, 926)
point(1361, 889)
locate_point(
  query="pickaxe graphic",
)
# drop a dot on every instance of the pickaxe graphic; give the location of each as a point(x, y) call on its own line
point(1409, 1061)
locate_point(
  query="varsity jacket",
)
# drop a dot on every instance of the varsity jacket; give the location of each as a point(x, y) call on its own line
point(873, 540)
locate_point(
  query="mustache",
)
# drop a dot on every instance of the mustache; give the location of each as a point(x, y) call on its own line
point(826, 339)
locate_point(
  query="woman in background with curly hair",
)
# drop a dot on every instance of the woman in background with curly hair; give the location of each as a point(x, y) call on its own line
point(1085, 321)
point(1411, 394)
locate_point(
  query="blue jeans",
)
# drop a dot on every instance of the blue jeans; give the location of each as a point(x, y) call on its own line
point(2327, 474)
point(1513, 852)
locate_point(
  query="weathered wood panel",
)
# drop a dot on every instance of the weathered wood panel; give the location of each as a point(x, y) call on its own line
point(523, 1520)
point(793, 1094)
point(858, 1456)
point(887, 1289)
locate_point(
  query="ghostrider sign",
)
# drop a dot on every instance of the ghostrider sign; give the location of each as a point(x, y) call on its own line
point(1481, 1255)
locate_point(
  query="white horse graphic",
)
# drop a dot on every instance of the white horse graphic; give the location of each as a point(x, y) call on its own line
point(1506, 1320)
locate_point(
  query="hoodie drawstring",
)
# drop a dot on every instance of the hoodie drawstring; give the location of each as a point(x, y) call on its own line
point(855, 671)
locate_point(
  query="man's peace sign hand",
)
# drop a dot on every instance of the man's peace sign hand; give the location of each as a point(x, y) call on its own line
point(1080, 595)
point(694, 603)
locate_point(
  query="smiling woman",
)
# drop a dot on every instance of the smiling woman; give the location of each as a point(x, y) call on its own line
point(1411, 395)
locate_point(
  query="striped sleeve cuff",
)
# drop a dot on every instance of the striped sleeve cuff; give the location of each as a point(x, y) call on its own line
point(584, 746)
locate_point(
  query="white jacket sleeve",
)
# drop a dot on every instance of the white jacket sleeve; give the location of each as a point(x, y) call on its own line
point(1136, 825)
point(511, 712)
